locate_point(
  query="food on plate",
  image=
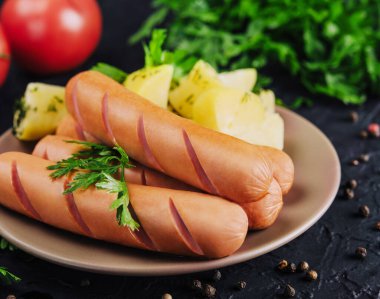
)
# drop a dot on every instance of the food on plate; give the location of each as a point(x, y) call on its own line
point(227, 110)
point(183, 97)
point(224, 102)
point(264, 212)
point(261, 214)
point(253, 121)
point(152, 83)
point(172, 221)
point(268, 99)
point(39, 111)
point(211, 161)
point(69, 127)
point(110, 71)
point(51, 36)
point(5, 56)
point(244, 79)
point(241, 114)
point(55, 148)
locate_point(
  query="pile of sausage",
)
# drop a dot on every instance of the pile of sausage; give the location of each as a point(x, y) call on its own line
point(193, 191)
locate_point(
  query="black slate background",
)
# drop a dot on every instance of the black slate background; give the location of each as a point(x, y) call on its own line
point(328, 246)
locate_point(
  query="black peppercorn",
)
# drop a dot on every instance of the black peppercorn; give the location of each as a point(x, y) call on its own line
point(241, 285)
point(166, 296)
point(282, 265)
point(361, 252)
point(364, 211)
point(303, 266)
point(289, 291)
point(311, 275)
point(355, 162)
point(196, 285)
point(349, 193)
point(209, 291)
point(217, 275)
point(352, 184)
point(291, 268)
point(377, 225)
point(364, 158)
point(354, 116)
point(363, 134)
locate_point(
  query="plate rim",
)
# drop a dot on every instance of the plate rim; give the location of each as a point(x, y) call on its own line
point(198, 265)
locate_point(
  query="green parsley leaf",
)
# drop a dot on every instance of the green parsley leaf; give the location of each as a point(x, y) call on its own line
point(332, 47)
point(7, 276)
point(110, 71)
point(5, 245)
point(95, 166)
point(155, 55)
point(153, 51)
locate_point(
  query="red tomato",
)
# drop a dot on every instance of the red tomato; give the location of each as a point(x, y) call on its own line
point(51, 36)
point(5, 57)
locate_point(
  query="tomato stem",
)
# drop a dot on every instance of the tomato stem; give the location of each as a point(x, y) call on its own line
point(4, 56)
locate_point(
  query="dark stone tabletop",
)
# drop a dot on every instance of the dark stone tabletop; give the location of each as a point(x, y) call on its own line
point(329, 246)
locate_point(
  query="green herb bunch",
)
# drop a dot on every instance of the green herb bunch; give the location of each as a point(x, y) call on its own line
point(155, 55)
point(333, 46)
point(96, 165)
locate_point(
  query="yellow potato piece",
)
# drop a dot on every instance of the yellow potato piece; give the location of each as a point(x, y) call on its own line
point(39, 111)
point(240, 114)
point(201, 77)
point(244, 79)
point(268, 99)
point(227, 110)
point(270, 132)
point(152, 83)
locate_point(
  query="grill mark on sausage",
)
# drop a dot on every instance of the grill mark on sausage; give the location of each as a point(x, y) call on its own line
point(45, 155)
point(73, 209)
point(205, 180)
point(21, 194)
point(144, 142)
point(184, 232)
point(74, 99)
point(140, 235)
point(143, 177)
point(79, 131)
point(105, 119)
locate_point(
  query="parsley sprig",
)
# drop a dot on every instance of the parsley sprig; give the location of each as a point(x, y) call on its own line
point(7, 276)
point(5, 245)
point(97, 165)
point(110, 71)
point(155, 55)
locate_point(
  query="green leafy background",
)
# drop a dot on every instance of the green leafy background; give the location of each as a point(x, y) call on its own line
point(331, 46)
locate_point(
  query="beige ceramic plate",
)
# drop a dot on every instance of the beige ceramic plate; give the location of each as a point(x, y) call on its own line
point(316, 183)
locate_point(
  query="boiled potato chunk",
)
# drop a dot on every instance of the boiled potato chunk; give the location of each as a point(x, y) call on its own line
point(152, 83)
point(240, 114)
point(268, 99)
point(270, 132)
point(228, 110)
point(39, 111)
point(242, 79)
point(201, 77)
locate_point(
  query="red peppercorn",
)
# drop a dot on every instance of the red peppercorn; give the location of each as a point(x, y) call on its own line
point(374, 129)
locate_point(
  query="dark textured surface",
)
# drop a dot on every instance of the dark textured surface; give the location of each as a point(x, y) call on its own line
point(329, 246)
